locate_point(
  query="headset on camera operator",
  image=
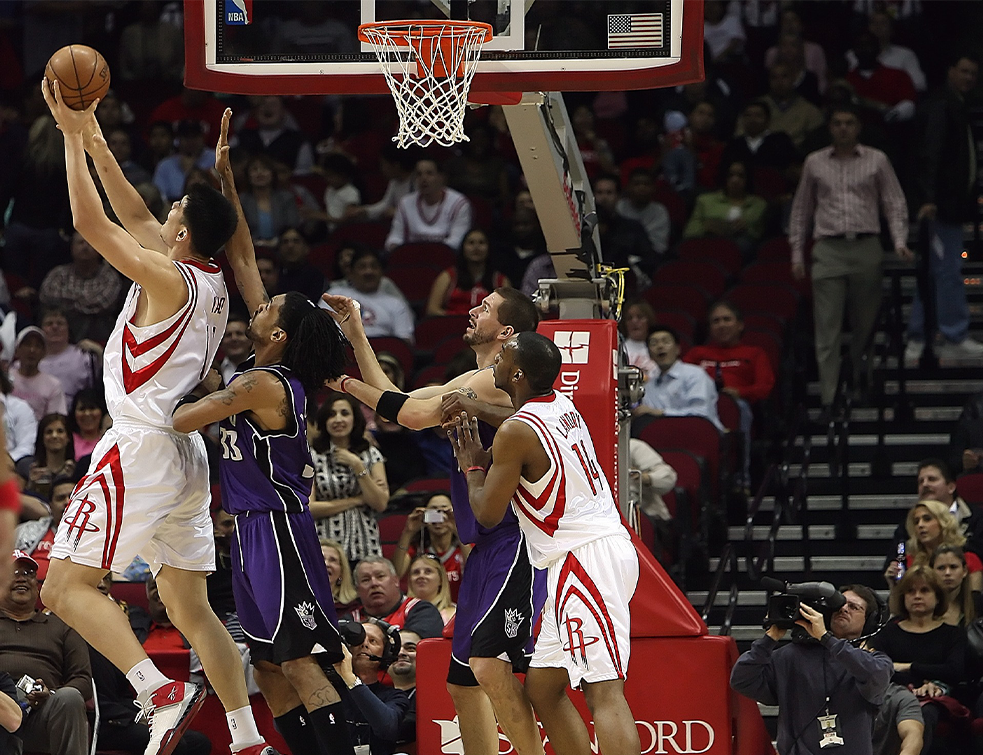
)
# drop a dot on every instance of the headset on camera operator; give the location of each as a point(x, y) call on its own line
point(827, 689)
point(374, 711)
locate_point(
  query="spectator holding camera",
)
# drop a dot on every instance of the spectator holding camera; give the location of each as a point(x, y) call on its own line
point(374, 711)
point(50, 663)
point(930, 525)
point(431, 530)
point(827, 690)
point(928, 654)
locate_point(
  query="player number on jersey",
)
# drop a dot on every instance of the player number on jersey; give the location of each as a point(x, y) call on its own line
point(588, 464)
point(229, 448)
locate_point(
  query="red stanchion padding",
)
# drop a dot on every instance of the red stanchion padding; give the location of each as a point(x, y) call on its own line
point(589, 378)
point(678, 690)
point(659, 608)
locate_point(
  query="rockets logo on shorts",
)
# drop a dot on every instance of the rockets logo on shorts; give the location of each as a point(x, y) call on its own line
point(305, 612)
point(79, 522)
point(513, 620)
point(578, 642)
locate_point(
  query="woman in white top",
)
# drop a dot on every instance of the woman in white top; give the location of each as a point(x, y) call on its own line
point(350, 484)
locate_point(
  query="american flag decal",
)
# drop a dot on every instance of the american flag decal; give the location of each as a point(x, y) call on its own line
point(635, 30)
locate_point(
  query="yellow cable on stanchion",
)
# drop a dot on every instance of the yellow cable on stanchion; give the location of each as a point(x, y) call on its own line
point(617, 277)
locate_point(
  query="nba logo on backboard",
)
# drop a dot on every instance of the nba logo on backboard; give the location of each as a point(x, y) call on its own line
point(238, 12)
point(574, 346)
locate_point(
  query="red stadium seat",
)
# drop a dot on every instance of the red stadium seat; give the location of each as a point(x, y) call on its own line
point(769, 183)
point(688, 298)
point(438, 255)
point(398, 348)
point(415, 282)
point(708, 275)
point(372, 235)
point(449, 348)
point(695, 434)
point(430, 375)
point(322, 257)
point(431, 331)
point(675, 205)
point(724, 251)
point(970, 488)
point(776, 271)
point(765, 321)
point(775, 250)
point(772, 298)
point(766, 340)
point(682, 322)
point(692, 478)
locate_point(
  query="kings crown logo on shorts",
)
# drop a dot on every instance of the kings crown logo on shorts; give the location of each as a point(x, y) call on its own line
point(513, 618)
point(305, 612)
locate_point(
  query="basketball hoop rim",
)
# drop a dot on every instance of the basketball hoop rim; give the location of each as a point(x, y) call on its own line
point(408, 29)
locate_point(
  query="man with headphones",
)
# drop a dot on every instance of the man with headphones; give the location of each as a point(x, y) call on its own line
point(374, 711)
point(828, 691)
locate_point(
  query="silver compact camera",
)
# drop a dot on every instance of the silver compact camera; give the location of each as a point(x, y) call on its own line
point(433, 516)
point(28, 685)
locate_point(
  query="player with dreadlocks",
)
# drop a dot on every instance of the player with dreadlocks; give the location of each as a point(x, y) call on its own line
point(281, 585)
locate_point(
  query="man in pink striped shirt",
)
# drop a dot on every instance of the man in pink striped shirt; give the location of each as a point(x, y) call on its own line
point(840, 195)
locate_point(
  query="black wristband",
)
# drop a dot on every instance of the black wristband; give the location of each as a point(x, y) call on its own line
point(389, 405)
point(187, 399)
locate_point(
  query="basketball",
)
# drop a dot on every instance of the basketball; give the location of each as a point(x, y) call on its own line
point(82, 74)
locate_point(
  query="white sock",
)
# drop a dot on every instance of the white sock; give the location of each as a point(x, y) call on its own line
point(242, 726)
point(146, 676)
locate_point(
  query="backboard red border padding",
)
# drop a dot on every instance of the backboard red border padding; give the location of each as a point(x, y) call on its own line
point(687, 70)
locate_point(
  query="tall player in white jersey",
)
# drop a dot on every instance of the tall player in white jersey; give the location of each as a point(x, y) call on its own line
point(545, 466)
point(146, 491)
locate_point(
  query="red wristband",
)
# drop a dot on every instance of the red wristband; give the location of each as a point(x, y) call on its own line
point(341, 385)
point(10, 497)
point(475, 469)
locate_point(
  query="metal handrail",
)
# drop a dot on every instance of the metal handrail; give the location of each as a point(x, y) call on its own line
point(790, 503)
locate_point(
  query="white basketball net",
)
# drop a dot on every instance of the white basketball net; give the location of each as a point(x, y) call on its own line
point(429, 66)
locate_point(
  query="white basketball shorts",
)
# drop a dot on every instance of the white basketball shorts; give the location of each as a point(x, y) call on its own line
point(586, 623)
point(146, 493)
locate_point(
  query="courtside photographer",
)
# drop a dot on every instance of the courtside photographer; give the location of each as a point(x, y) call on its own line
point(374, 710)
point(826, 687)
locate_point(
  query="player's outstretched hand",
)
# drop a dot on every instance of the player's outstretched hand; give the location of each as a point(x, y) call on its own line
point(467, 444)
point(222, 165)
point(92, 139)
point(346, 312)
point(68, 120)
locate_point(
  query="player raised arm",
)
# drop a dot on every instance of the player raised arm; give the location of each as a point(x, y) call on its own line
point(155, 272)
point(490, 489)
point(239, 249)
point(256, 391)
point(127, 203)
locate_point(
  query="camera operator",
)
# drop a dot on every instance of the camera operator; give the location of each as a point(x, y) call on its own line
point(827, 690)
point(374, 711)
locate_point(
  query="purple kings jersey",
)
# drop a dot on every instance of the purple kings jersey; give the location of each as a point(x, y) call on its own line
point(468, 528)
point(267, 470)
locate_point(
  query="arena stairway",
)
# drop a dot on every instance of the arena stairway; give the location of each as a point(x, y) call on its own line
point(881, 485)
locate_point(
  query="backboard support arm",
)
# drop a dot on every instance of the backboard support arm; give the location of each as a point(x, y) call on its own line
point(551, 162)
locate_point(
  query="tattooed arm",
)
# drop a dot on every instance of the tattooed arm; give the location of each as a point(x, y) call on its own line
point(257, 391)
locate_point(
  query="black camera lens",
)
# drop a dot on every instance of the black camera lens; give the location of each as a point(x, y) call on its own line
point(352, 632)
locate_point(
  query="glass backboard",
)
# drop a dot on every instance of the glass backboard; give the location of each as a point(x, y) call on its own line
point(311, 46)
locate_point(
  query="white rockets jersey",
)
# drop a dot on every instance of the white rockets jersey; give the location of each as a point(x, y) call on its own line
point(572, 504)
point(149, 369)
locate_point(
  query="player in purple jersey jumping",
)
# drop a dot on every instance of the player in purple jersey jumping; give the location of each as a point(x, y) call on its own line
point(281, 585)
point(500, 594)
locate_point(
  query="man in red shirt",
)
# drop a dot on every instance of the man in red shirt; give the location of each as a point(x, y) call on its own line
point(743, 372)
point(889, 92)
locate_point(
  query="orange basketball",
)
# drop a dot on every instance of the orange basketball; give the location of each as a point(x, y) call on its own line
point(82, 74)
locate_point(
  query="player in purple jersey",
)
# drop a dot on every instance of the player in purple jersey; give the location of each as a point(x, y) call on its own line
point(500, 595)
point(281, 585)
